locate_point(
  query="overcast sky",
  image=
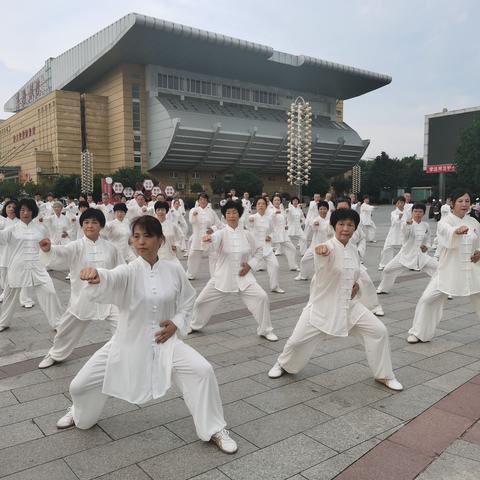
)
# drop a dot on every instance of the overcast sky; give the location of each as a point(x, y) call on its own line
point(429, 47)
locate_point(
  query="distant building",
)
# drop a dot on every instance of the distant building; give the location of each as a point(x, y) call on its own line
point(185, 104)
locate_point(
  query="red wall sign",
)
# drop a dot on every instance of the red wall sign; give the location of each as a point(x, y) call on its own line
point(446, 168)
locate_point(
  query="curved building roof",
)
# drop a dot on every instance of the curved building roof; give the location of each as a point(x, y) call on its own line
point(146, 40)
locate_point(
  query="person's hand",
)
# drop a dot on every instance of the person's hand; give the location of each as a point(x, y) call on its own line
point(316, 224)
point(174, 248)
point(277, 212)
point(40, 219)
point(462, 230)
point(251, 219)
point(423, 248)
point(355, 290)
point(476, 256)
point(169, 328)
point(90, 275)
point(409, 221)
point(45, 244)
point(400, 215)
point(64, 234)
point(244, 270)
point(207, 238)
point(322, 250)
point(195, 212)
point(73, 220)
point(286, 227)
point(268, 238)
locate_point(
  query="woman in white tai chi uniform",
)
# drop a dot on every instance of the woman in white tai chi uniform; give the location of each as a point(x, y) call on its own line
point(177, 216)
point(413, 255)
point(237, 254)
point(295, 221)
point(458, 272)
point(393, 242)
point(117, 231)
point(367, 223)
point(171, 231)
point(24, 268)
point(334, 310)
point(89, 251)
point(203, 220)
point(260, 224)
point(280, 238)
point(146, 353)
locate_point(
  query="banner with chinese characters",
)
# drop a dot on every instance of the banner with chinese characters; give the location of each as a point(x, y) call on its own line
point(445, 168)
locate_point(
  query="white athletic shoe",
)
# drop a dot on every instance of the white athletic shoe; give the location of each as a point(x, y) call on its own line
point(1, 298)
point(28, 305)
point(450, 297)
point(380, 268)
point(391, 383)
point(276, 371)
point(278, 290)
point(271, 337)
point(190, 276)
point(378, 311)
point(67, 420)
point(191, 330)
point(185, 255)
point(412, 339)
point(67, 277)
point(295, 269)
point(224, 441)
point(380, 291)
point(47, 362)
point(299, 277)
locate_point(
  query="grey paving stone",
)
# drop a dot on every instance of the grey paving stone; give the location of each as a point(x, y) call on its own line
point(347, 399)
point(66, 369)
point(121, 453)
point(278, 461)
point(465, 449)
point(7, 399)
point(43, 450)
point(339, 359)
point(474, 366)
point(349, 430)
point(278, 426)
point(409, 403)
point(241, 355)
point(342, 377)
point(128, 473)
point(138, 420)
point(57, 470)
point(286, 396)
point(387, 433)
point(24, 411)
point(236, 372)
point(211, 475)
point(402, 357)
point(245, 387)
point(444, 362)
point(471, 349)
point(33, 392)
point(408, 376)
point(436, 346)
point(450, 467)
point(29, 378)
point(330, 468)
point(202, 457)
point(460, 322)
point(235, 413)
point(18, 433)
point(452, 380)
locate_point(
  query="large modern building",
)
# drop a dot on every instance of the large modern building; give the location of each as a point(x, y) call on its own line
point(183, 103)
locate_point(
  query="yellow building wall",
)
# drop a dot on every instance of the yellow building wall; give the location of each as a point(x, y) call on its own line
point(339, 111)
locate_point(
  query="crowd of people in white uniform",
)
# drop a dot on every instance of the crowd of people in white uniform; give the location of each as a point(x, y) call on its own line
point(123, 264)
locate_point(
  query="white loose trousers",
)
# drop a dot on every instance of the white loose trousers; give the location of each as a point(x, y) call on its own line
point(368, 329)
point(194, 262)
point(192, 374)
point(254, 297)
point(388, 252)
point(369, 231)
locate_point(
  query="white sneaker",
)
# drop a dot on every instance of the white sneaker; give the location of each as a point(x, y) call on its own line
point(28, 305)
point(276, 371)
point(412, 339)
point(378, 311)
point(2, 329)
point(191, 330)
point(271, 337)
point(278, 290)
point(450, 297)
point(295, 269)
point(1, 298)
point(391, 383)
point(67, 277)
point(47, 362)
point(380, 268)
point(190, 276)
point(67, 420)
point(380, 291)
point(224, 441)
point(299, 277)
point(185, 255)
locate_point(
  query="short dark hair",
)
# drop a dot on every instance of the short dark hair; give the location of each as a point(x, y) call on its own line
point(294, 198)
point(277, 195)
point(344, 200)
point(160, 204)
point(148, 224)
point(419, 206)
point(260, 198)
point(323, 203)
point(203, 195)
point(401, 198)
point(120, 207)
point(83, 204)
point(7, 203)
point(344, 214)
point(92, 214)
point(29, 203)
point(232, 204)
point(459, 192)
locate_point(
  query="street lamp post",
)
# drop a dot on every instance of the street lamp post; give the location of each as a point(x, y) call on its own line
point(299, 145)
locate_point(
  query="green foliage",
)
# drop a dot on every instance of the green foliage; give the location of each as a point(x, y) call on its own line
point(196, 188)
point(131, 177)
point(341, 185)
point(219, 185)
point(66, 184)
point(318, 184)
point(467, 158)
point(241, 180)
point(9, 189)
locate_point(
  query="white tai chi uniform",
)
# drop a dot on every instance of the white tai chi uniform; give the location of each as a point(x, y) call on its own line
point(172, 233)
point(261, 227)
point(393, 241)
point(107, 211)
point(25, 270)
point(177, 217)
point(410, 256)
point(60, 228)
point(312, 213)
point(132, 366)
point(295, 222)
point(366, 220)
point(280, 238)
point(233, 247)
point(204, 219)
point(456, 275)
point(331, 310)
point(81, 310)
point(119, 233)
point(322, 231)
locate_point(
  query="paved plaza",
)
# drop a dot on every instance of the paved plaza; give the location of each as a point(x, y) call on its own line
point(332, 420)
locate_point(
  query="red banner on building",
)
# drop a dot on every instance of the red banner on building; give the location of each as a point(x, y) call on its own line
point(445, 168)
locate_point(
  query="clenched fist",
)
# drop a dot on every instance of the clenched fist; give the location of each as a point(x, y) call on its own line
point(322, 250)
point(463, 230)
point(45, 244)
point(90, 275)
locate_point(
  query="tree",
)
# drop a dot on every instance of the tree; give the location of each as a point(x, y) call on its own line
point(467, 158)
point(196, 188)
point(66, 184)
point(317, 184)
point(412, 174)
point(130, 177)
point(341, 185)
point(246, 181)
point(219, 185)
point(381, 178)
